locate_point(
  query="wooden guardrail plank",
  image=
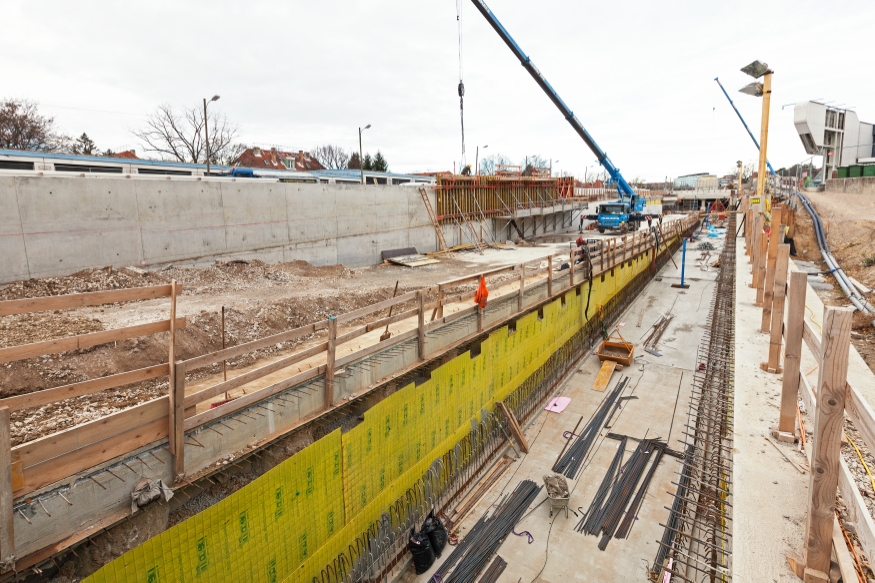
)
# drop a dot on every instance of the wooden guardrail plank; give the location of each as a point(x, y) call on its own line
point(65, 302)
point(88, 456)
point(55, 445)
point(241, 349)
point(376, 307)
point(252, 375)
point(7, 531)
point(376, 325)
point(252, 398)
point(46, 396)
point(84, 340)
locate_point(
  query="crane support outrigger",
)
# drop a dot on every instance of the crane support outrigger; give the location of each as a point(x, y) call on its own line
point(611, 216)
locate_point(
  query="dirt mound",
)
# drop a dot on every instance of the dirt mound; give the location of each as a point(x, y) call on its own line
point(87, 280)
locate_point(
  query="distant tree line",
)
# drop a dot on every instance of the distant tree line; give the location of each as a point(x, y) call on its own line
point(335, 157)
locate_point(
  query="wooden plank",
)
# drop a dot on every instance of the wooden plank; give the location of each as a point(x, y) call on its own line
point(176, 412)
point(792, 352)
point(604, 377)
point(452, 317)
point(376, 325)
point(550, 276)
point(420, 327)
point(476, 276)
point(385, 304)
point(88, 456)
point(762, 261)
point(68, 301)
point(247, 377)
point(331, 354)
point(776, 314)
point(7, 530)
point(241, 349)
point(57, 444)
point(17, 475)
point(829, 417)
point(53, 395)
point(521, 297)
point(14, 353)
point(514, 427)
point(252, 398)
point(811, 336)
point(776, 239)
point(843, 555)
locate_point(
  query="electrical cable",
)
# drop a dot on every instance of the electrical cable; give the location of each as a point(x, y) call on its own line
point(461, 83)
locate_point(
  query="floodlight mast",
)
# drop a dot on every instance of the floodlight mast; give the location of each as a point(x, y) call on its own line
point(623, 187)
point(738, 113)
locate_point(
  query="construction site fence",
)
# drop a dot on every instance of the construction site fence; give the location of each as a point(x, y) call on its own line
point(339, 509)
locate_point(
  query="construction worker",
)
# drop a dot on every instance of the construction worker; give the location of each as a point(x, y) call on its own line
point(580, 229)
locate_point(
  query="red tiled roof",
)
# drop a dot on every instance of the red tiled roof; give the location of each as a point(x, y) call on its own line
point(128, 154)
point(274, 160)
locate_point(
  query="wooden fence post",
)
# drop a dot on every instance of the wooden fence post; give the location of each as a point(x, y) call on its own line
point(776, 238)
point(330, 359)
point(549, 276)
point(779, 290)
point(440, 308)
point(420, 298)
point(571, 267)
point(522, 287)
point(176, 383)
point(792, 353)
point(7, 534)
point(828, 424)
point(762, 256)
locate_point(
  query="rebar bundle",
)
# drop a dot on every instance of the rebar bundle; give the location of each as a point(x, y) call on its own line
point(471, 556)
point(570, 463)
point(697, 534)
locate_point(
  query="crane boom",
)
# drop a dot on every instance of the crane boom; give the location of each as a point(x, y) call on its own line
point(738, 113)
point(626, 192)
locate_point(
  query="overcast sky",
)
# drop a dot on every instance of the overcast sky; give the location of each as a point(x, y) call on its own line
point(638, 74)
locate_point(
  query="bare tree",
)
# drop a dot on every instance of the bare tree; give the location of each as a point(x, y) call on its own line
point(179, 136)
point(23, 128)
point(489, 165)
point(331, 157)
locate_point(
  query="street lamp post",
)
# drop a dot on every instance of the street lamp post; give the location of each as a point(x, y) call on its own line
point(206, 132)
point(477, 158)
point(361, 157)
point(764, 90)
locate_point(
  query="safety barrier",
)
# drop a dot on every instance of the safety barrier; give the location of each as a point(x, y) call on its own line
point(339, 509)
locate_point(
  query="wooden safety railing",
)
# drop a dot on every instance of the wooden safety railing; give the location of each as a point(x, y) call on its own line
point(47, 460)
point(782, 295)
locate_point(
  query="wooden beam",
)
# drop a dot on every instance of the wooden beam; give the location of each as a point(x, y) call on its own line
point(375, 325)
point(241, 349)
point(779, 287)
point(252, 375)
point(514, 427)
point(7, 524)
point(762, 259)
point(14, 353)
point(177, 422)
point(364, 311)
point(792, 352)
point(522, 291)
point(829, 417)
point(776, 238)
point(53, 395)
point(68, 301)
point(329, 361)
point(420, 328)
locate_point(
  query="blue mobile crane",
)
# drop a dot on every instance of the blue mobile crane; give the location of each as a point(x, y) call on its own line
point(623, 215)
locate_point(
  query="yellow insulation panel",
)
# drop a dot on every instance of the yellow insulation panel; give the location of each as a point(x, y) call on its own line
point(290, 523)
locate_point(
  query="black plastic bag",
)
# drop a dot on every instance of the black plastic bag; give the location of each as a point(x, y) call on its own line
point(436, 531)
point(420, 547)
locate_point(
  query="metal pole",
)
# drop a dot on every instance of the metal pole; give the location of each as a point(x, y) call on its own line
point(361, 159)
point(206, 136)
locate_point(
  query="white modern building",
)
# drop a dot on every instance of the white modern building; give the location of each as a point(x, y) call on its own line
point(834, 133)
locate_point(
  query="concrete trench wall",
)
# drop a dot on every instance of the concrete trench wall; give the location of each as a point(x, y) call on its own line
point(56, 225)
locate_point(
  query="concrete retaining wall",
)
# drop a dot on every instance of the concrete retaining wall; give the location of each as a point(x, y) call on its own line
point(57, 225)
point(863, 185)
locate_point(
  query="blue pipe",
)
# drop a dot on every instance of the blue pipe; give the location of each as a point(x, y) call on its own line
point(750, 133)
point(683, 261)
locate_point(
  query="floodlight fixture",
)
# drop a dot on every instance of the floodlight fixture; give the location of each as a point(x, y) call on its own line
point(756, 69)
point(755, 89)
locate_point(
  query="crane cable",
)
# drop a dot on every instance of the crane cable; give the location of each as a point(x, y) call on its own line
point(461, 84)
